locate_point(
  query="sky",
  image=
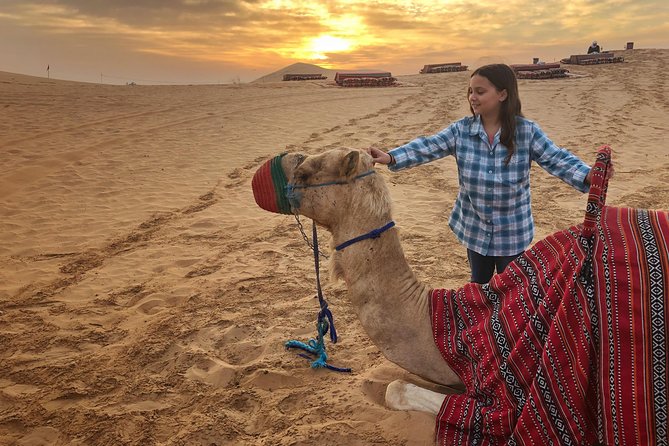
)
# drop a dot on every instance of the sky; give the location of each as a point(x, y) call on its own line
point(231, 41)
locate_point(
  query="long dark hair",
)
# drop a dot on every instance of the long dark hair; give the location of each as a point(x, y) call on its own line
point(503, 78)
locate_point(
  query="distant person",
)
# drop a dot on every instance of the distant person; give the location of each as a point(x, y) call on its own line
point(594, 48)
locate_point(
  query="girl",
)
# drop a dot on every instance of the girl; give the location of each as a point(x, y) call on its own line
point(493, 149)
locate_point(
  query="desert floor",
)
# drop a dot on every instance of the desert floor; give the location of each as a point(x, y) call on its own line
point(145, 298)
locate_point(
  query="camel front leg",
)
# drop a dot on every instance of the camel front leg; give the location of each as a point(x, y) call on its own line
point(402, 395)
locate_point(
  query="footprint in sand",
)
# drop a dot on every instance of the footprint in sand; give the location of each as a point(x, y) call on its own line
point(226, 351)
point(154, 303)
point(152, 306)
point(204, 201)
point(230, 344)
point(245, 403)
point(235, 347)
point(203, 270)
point(211, 371)
point(271, 380)
point(41, 436)
point(128, 296)
point(291, 403)
point(333, 129)
point(374, 391)
point(136, 406)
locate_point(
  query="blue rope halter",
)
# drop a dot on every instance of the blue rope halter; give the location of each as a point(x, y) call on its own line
point(374, 233)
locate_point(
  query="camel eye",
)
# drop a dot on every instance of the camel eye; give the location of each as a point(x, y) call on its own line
point(301, 176)
point(299, 160)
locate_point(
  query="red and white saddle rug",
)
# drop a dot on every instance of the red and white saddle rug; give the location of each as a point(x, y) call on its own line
point(568, 346)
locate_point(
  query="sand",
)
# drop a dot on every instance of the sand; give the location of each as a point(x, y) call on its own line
point(145, 298)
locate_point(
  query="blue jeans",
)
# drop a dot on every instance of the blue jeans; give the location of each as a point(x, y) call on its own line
point(483, 267)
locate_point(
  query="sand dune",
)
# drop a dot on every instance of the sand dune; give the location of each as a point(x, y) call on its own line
point(145, 298)
point(305, 68)
point(296, 68)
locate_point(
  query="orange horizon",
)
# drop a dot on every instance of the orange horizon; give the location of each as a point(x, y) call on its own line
point(240, 42)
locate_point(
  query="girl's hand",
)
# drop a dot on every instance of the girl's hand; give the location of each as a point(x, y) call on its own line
point(609, 174)
point(379, 156)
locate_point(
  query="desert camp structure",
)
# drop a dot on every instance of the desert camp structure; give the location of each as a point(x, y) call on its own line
point(303, 77)
point(539, 71)
point(593, 59)
point(443, 68)
point(365, 79)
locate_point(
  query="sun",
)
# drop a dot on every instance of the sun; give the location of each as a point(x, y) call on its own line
point(321, 45)
point(330, 44)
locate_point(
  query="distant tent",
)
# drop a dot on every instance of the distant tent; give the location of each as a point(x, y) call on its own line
point(539, 71)
point(303, 77)
point(365, 79)
point(443, 68)
point(593, 59)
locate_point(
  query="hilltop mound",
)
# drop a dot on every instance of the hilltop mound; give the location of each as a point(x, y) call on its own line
point(297, 68)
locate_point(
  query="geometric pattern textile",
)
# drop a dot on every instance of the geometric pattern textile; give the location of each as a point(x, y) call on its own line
point(568, 346)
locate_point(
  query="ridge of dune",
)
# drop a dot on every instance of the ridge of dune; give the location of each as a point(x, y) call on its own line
point(302, 68)
point(296, 68)
point(9, 77)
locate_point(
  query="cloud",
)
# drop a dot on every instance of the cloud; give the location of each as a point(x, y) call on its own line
point(346, 33)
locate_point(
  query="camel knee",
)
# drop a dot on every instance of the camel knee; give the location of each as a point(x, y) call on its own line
point(401, 395)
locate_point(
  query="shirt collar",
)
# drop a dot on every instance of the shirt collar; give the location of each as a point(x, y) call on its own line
point(476, 128)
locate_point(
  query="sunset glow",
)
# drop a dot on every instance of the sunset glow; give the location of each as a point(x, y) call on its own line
point(193, 40)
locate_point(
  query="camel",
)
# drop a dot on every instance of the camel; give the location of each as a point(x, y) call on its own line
point(339, 191)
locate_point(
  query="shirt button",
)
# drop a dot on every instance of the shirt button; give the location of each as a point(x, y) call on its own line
point(490, 171)
point(487, 221)
point(492, 153)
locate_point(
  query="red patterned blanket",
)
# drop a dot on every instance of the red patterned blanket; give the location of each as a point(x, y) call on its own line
point(569, 345)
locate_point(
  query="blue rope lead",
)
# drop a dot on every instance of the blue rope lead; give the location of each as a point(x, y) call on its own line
point(316, 347)
point(325, 322)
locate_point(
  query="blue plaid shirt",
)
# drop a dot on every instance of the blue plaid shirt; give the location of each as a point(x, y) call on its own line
point(492, 214)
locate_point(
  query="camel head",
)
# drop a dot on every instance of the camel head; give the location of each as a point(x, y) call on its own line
point(331, 187)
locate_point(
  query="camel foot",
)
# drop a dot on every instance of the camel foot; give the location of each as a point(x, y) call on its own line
point(402, 395)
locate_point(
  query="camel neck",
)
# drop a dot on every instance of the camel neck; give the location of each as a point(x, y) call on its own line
point(392, 304)
point(379, 259)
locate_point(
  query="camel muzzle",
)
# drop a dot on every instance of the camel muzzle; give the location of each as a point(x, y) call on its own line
point(269, 187)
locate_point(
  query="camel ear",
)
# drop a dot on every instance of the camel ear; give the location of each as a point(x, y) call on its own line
point(349, 164)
